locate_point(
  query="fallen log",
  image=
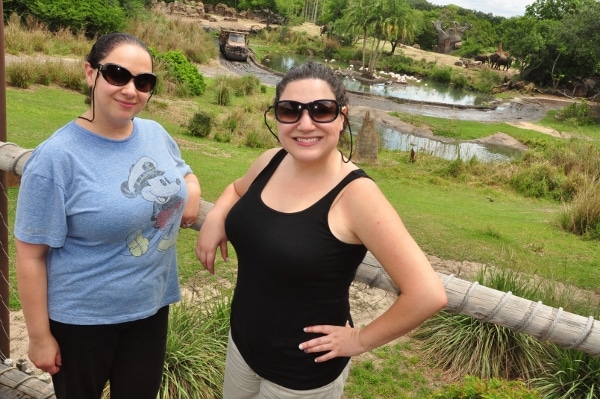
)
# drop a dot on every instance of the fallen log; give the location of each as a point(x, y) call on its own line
point(485, 304)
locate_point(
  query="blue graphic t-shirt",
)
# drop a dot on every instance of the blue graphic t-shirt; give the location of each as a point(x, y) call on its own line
point(110, 211)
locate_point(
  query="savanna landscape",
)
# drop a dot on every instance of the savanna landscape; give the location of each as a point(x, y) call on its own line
point(530, 226)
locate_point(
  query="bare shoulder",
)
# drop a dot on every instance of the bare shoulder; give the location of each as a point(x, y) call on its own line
point(255, 168)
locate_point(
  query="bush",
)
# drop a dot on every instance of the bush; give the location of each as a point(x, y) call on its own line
point(442, 75)
point(578, 114)
point(539, 180)
point(181, 70)
point(245, 85)
point(92, 17)
point(200, 125)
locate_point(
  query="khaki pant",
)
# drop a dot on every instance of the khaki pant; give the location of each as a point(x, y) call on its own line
point(243, 383)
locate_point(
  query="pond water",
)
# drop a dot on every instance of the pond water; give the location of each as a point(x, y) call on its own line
point(431, 92)
point(413, 89)
point(394, 140)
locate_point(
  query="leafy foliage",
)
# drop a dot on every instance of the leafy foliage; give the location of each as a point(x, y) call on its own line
point(180, 69)
point(92, 17)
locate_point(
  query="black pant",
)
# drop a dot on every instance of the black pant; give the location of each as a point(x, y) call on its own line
point(130, 355)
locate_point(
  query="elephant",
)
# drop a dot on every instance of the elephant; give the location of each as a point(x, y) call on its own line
point(497, 60)
point(484, 58)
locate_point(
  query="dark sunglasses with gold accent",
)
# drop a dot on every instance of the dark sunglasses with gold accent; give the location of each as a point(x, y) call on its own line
point(321, 111)
point(117, 75)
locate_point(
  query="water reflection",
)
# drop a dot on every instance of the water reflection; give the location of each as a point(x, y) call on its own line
point(425, 91)
point(394, 140)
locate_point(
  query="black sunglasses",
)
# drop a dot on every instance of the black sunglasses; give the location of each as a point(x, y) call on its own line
point(321, 111)
point(116, 75)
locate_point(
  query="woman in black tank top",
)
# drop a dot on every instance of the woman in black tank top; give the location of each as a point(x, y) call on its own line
point(301, 220)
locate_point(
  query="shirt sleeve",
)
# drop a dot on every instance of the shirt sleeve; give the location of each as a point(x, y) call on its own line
point(40, 215)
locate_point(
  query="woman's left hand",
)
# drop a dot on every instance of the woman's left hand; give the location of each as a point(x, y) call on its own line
point(337, 342)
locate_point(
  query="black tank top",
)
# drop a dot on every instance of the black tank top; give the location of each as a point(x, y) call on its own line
point(292, 273)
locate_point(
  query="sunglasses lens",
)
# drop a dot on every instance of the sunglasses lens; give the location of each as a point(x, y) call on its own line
point(145, 82)
point(116, 75)
point(288, 111)
point(323, 110)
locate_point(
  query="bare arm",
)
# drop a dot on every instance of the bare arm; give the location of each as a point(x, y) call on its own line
point(369, 218)
point(32, 282)
point(212, 233)
point(190, 212)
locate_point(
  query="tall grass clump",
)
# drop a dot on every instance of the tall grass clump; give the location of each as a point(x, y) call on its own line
point(462, 345)
point(165, 34)
point(27, 72)
point(196, 348)
point(582, 215)
point(570, 375)
point(222, 91)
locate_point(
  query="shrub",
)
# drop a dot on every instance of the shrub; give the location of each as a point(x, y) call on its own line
point(93, 17)
point(245, 85)
point(201, 124)
point(21, 75)
point(181, 70)
point(578, 114)
point(442, 75)
point(539, 180)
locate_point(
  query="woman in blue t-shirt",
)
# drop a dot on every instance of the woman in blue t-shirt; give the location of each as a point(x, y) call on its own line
point(99, 208)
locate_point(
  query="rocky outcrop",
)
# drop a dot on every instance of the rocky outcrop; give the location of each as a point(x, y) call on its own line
point(192, 9)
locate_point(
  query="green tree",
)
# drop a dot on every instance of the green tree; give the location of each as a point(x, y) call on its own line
point(551, 9)
point(92, 17)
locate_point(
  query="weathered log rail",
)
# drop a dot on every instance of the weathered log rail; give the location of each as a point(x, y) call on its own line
point(546, 323)
point(16, 384)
